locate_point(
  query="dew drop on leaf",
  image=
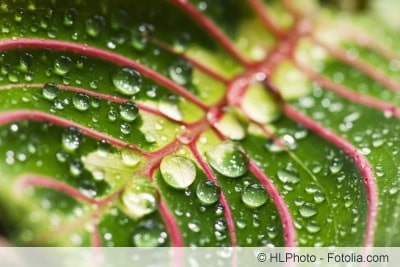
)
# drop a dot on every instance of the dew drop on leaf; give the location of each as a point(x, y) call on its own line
point(313, 227)
point(81, 101)
point(207, 192)
point(94, 25)
point(171, 110)
point(130, 158)
point(125, 128)
point(227, 159)
point(336, 166)
point(76, 167)
point(141, 36)
point(254, 196)
point(69, 17)
point(127, 81)
point(62, 65)
point(140, 197)
point(288, 176)
point(71, 139)
point(177, 171)
point(50, 91)
point(181, 72)
point(128, 111)
point(307, 210)
point(230, 126)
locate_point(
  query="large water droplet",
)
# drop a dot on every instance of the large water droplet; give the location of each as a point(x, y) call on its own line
point(50, 91)
point(81, 101)
point(62, 65)
point(177, 171)
point(288, 176)
point(254, 196)
point(71, 139)
point(127, 81)
point(140, 197)
point(228, 160)
point(128, 111)
point(207, 192)
point(181, 72)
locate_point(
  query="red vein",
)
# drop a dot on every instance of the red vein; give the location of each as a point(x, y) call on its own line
point(172, 227)
point(348, 93)
point(362, 163)
point(11, 116)
point(212, 29)
point(104, 55)
point(195, 62)
point(361, 65)
point(265, 17)
point(224, 202)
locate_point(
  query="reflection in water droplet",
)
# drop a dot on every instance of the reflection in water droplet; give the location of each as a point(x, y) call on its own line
point(128, 111)
point(71, 139)
point(254, 196)
point(127, 81)
point(207, 192)
point(81, 101)
point(228, 160)
point(50, 91)
point(177, 171)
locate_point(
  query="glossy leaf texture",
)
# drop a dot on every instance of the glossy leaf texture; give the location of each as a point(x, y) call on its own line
point(198, 123)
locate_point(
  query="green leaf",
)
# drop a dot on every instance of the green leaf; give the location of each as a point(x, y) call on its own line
point(198, 123)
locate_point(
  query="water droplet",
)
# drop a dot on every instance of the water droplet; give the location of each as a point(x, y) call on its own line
point(71, 139)
point(62, 156)
point(128, 111)
point(307, 210)
point(181, 72)
point(241, 224)
point(62, 65)
point(230, 126)
point(194, 227)
point(254, 196)
point(94, 25)
point(141, 36)
point(50, 91)
point(181, 42)
point(125, 128)
point(171, 110)
point(228, 160)
point(81, 101)
point(75, 167)
point(103, 148)
point(177, 171)
point(207, 192)
point(95, 102)
point(288, 176)
point(130, 158)
point(70, 17)
point(127, 81)
point(336, 166)
point(140, 197)
point(319, 197)
point(313, 227)
point(25, 62)
point(149, 236)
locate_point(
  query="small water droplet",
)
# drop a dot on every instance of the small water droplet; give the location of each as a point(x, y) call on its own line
point(171, 110)
point(141, 36)
point(71, 139)
point(319, 197)
point(70, 17)
point(81, 101)
point(228, 160)
point(254, 196)
point(128, 111)
point(313, 227)
point(75, 167)
point(194, 227)
point(177, 171)
point(181, 42)
point(207, 192)
point(125, 128)
point(130, 158)
point(50, 91)
point(140, 197)
point(181, 72)
point(307, 210)
point(127, 81)
point(149, 235)
point(288, 176)
point(336, 166)
point(94, 25)
point(62, 65)
point(62, 156)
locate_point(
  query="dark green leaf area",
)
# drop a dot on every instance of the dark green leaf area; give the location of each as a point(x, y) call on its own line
point(321, 185)
point(380, 145)
point(200, 225)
